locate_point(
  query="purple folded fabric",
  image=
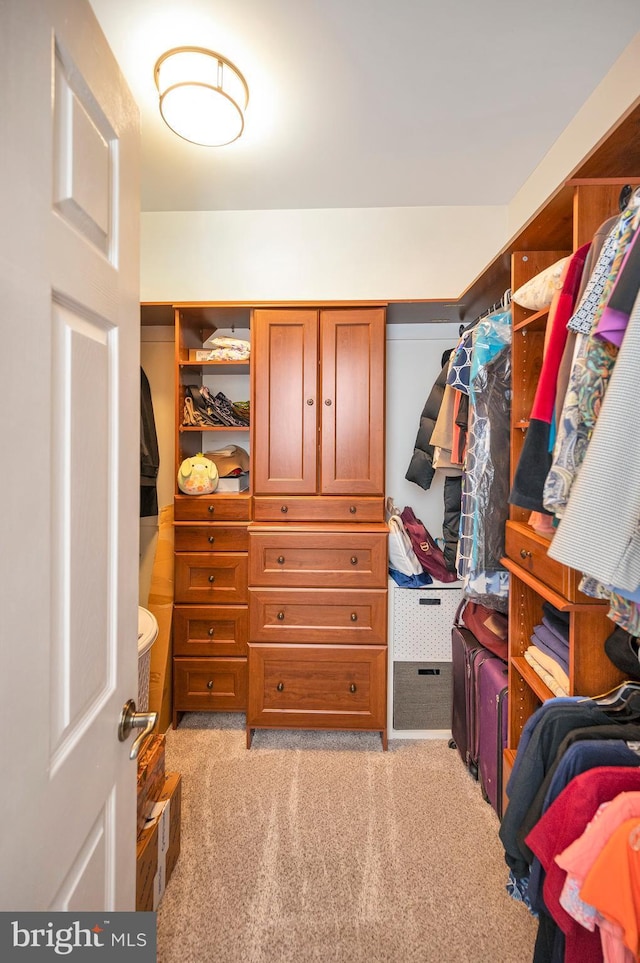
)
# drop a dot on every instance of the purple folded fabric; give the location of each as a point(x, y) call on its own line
point(560, 631)
point(548, 644)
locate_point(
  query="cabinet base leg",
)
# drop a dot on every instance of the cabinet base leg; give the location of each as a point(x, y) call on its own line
point(249, 736)
point(385, 743)
point(177, 716)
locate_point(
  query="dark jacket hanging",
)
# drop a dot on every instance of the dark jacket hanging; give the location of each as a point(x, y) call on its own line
point(149, 455)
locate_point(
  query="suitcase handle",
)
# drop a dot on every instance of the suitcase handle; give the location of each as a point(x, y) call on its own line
point(428, 671)
point(429, 601)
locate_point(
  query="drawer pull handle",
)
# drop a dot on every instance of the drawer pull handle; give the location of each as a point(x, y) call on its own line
point(309, 401)
point(210, 684)
point(353, 509)
point(429, 601)
point(284, 509)
point(280, 686)
point(211, 631)
point(281, 616)
point(354, 617)
point(280, 559)
point(352, 687)
point(212, 578)
point(428, 671)
point(327, 402)
point(211, 539)
point(354, 559)
point(524, 553)
point(211, 509)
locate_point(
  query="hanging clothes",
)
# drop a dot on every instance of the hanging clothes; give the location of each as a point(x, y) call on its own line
point(149, 452)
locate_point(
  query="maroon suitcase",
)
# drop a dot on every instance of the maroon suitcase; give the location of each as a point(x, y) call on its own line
point(465, 649)
point(491, 725)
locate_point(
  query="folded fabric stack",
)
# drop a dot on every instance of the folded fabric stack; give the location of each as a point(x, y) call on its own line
point(228, 349)
point(548, 654)
point(202, 409)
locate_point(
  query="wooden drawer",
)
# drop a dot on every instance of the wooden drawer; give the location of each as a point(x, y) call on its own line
point(317, 686)
point(529, 551)
point(219, 578)
point(211, 538)
point(318, 559)
point(318, 508)
point(318, 615)
point(214, 685)
point(207, 508)
point(202, 630)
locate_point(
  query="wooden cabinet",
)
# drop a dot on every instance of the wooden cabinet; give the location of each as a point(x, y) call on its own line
point(534, 577)
point(319, 402)
point(318, 542)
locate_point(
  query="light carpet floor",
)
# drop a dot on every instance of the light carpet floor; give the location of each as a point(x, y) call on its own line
point(318, 846)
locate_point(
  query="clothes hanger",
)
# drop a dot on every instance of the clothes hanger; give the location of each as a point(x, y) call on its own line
point(618, 697)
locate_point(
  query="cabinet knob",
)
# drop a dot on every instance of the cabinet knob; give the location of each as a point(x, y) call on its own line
point(210, 684)
point(211, 631)
point(354, 559)
point(211, 539)
point(309, 401)
point(280, 686)
point(352, 687)
point(327, 402)
point(284, 509)
point(354, 617)
point(211, 509)
point(280, 559)
point(524, 553)
point(281, 616)
point(353, 509)
point(212, 578)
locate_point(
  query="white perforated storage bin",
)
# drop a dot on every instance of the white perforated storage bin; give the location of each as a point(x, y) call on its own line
point(421, 620)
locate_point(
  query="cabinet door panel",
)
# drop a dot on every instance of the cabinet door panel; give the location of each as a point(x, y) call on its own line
point(284, 410)
point(352, 402)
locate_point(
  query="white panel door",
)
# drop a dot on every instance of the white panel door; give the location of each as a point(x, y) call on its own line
point(69, 375)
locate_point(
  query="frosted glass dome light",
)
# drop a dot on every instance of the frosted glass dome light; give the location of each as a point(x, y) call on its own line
point(203, 96)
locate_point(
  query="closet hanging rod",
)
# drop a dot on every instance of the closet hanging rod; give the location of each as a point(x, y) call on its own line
point(501, 304)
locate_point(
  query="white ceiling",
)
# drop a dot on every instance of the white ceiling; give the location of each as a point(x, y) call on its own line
point(369, 103)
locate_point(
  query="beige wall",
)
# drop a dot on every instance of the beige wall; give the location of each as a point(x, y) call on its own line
point(157, 360)
point(315, 255)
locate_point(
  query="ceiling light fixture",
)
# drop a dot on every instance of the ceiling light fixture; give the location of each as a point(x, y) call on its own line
point(203, 96)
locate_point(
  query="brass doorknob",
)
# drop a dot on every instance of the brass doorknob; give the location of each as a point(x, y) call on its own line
point(280, 559)
point(353, 509)
point(284, 509)
point(524, 553)
point(280, 686)
point(211, 631)
point(211, 509)
point(212, 578)
point(211, 539)
point(354, 559)
point(210, 684)
point(281, 616)
point(352, 687)
point(354, 617)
